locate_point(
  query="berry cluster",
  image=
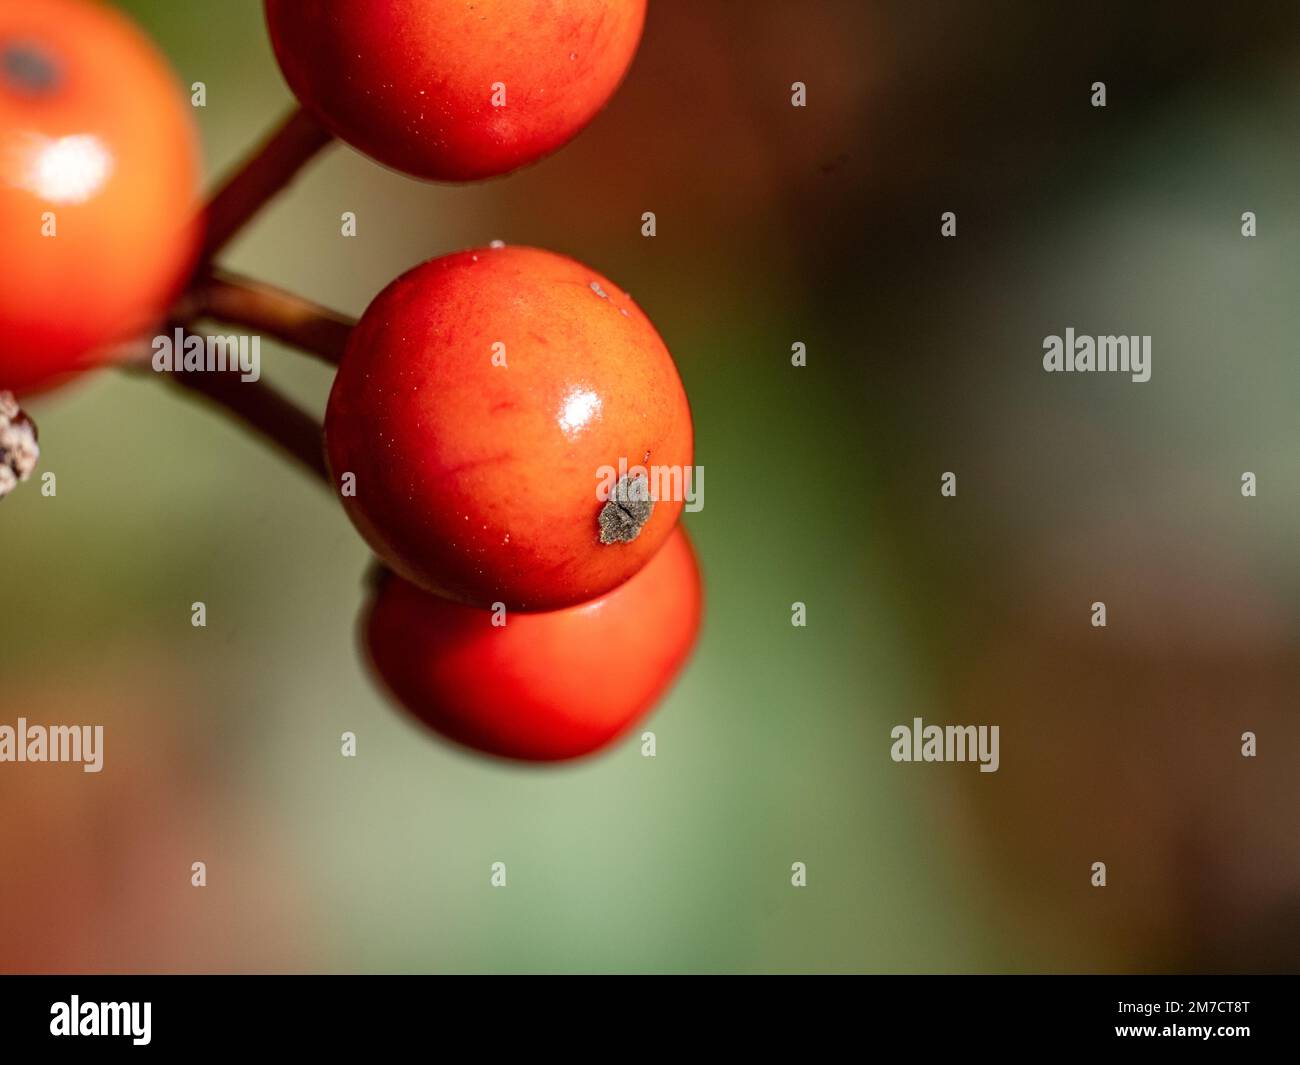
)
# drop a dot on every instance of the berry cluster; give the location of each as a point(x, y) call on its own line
point(477, 398)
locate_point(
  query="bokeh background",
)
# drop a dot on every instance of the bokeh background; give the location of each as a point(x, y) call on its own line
point(775, 225)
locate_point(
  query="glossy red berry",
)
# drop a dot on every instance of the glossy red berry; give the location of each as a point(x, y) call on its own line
point(541, 687)
point(451, 90)
point(97, 176)
point(482, 404)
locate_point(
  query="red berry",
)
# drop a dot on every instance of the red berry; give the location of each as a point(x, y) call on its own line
point(544, 686)
point(97, 174)
point(480, 480)
point(449, 90)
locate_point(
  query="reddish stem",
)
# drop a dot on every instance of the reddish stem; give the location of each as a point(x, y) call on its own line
point(283, 315)
point(262, 307)
point(268, 170)
point(264, 409)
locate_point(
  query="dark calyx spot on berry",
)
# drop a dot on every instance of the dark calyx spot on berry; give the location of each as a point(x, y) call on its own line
point(27, 69)
point(626, 511)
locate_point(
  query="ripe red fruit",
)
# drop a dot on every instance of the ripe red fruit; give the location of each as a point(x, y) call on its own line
point(479, 399)
point(543, 687)
point(97, 175)
point(449, 90)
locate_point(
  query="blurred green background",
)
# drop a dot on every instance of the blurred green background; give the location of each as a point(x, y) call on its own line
point(775, 225)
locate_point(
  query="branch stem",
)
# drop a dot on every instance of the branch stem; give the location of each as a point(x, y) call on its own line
point(273, 416)
point(255, 181)
point(280, 314)
point(287, 317)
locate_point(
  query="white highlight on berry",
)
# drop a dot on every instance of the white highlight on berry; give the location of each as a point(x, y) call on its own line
point(580, 406)
point(68, 169)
